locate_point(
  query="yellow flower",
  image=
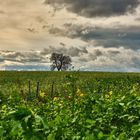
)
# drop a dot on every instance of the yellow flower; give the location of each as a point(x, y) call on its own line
point(81, 95)
point(109, 95)
point(79, 92)
point(42, 94)
point(55, 99)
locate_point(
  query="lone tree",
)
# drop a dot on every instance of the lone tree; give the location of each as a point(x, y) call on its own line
point(60, 61)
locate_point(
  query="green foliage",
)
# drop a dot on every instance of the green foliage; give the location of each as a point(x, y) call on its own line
point(81, 106)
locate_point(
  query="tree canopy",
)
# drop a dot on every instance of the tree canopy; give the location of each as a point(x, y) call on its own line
point(60, 61)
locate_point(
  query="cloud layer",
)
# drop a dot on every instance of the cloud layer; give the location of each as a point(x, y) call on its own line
point(99, 35)
point(89, 58)
point(129, 37)
point(92, 8)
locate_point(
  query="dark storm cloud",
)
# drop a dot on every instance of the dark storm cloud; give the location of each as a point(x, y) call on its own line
point(10, 56)
point(2, 59)
point(98, 53)
point(72, 51)
point(57, 31)
point(128, 37)
point(22, 57)
point(32, 60)
point(95, 54)
point(71, 30)
point(39, 57)
point(13, 55)
point(83, 59)
point(111, 59)
point(91, 8)
point(112, 52)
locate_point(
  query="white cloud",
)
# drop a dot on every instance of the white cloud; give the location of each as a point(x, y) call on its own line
point(109, 59)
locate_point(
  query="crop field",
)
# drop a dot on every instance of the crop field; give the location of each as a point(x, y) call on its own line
point(69, 106)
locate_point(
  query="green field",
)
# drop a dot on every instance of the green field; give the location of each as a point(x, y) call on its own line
point(69, 106)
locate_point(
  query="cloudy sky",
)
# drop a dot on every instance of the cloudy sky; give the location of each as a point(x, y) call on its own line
point(99, 35)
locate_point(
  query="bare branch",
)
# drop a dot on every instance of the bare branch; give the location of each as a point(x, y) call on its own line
point(60, 61)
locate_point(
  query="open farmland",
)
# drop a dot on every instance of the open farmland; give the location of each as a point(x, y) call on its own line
point(69, 106)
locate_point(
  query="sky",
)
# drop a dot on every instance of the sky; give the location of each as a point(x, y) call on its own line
point(98, 35)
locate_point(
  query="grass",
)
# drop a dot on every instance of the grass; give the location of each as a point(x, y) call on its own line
point(69, 106)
